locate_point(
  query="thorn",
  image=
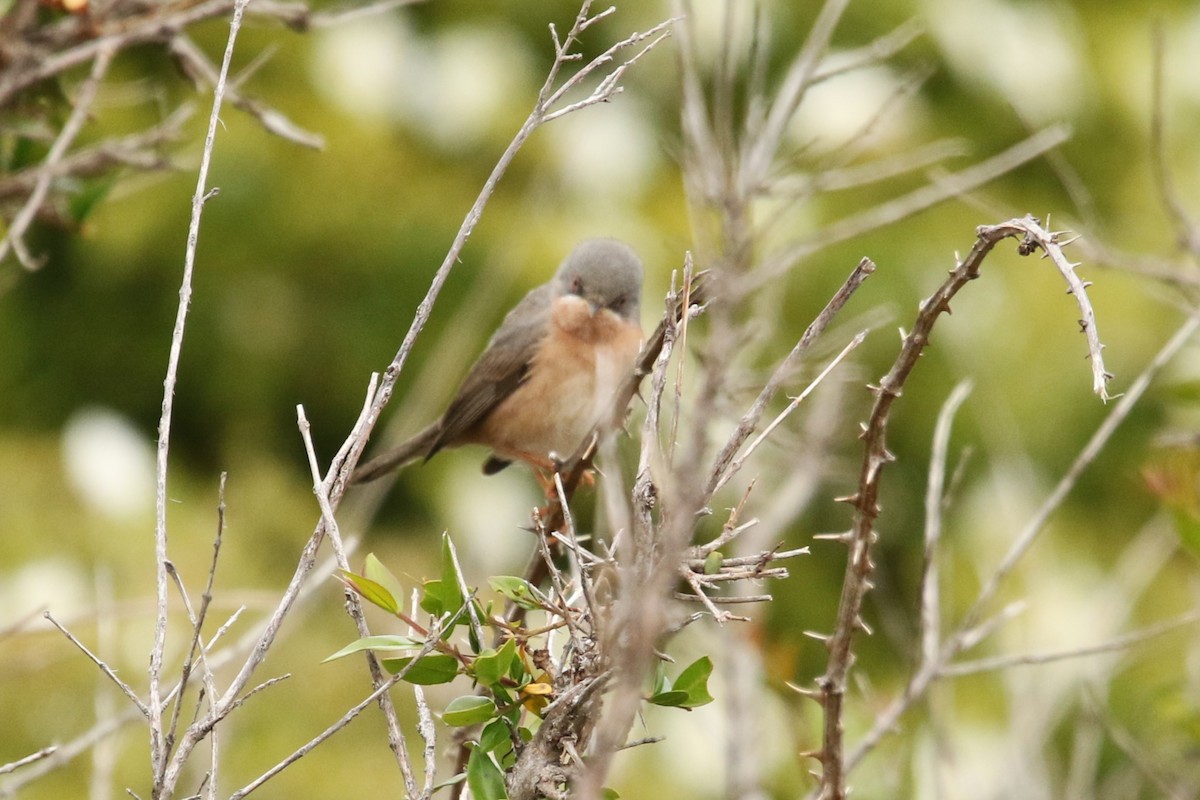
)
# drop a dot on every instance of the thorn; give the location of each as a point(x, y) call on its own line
point(1072, 240)
point(863, 426)
point(868, 585)
point(1108, 376)
point(903, 334)
point(888, 455)
point(1082, 325)
point(820, 637)
point(861, 624)
point(812, 694)
point(1070, 290)
point(852, 499)
point(845, 537)
point(1087, 284)
point(818, 755)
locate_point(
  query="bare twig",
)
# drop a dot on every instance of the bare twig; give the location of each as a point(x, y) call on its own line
point(158, 744)
point(79, 114)
point(1095, 445)
point(13, 766)
point(197, 620)
point(736, 464)
point(1188, 231)
point(875, 52)
point(198, 64)
point(107, 670)
point(765, 142)
point(396, 740)
point(1113, 645)
point(308, 747)
point(721, 472)
point(899, 208)
point(935, 497)
point(137, 150)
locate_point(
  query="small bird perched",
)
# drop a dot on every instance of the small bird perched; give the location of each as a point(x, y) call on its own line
point(549, 374)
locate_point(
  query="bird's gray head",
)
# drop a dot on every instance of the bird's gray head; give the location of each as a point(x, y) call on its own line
point(606, 273)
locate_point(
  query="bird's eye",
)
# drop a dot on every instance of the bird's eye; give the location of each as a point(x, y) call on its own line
point(618, 303)
point(577, 286)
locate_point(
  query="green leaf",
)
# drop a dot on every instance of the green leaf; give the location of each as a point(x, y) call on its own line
point(713, 562)
point(436, 599)
point(451, 579)
point(451, 781)
point(374, 569)
point(492, 665)
point(385, 644)
point(517, 590)
point(470, 709)
point(495, 736)
point(694, 681)
point(432, 669)
point(81, 203)
point(661, 682)
point(689, 690)
point(484, 777)
point(370, 590)
point(609, 794)
point(670, 698)
point(1188, 527)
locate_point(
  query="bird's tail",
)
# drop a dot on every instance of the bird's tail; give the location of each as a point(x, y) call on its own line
point(419, 446)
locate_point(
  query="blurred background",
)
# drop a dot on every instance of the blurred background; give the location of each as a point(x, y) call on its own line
point(311, 264)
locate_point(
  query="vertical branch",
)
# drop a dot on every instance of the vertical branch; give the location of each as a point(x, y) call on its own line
point(862, 536)
point(1187, 230)
point(158, 744)
point(935, 497)
point(765, 144)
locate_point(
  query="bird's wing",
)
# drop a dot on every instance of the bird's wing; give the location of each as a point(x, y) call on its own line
point(502, 367)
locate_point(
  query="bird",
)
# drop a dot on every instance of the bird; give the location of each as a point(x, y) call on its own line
point(549, 374)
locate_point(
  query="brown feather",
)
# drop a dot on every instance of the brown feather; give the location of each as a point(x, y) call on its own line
point(499, 371)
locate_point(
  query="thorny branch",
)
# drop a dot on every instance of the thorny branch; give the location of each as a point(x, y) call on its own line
point(938, 655)
point(831, 686)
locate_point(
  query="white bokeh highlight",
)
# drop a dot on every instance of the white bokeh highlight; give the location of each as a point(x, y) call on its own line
point(1029, 53)
point(453, 87)
point(108, 463)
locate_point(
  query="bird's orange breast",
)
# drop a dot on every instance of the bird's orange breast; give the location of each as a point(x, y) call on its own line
point(570, 385)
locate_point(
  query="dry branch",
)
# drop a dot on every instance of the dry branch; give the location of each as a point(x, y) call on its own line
point(861, 539)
